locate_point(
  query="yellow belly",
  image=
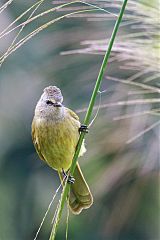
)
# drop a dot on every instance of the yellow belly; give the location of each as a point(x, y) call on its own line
point(57, 142)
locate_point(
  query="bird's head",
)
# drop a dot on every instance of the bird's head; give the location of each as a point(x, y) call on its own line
point(50, 103)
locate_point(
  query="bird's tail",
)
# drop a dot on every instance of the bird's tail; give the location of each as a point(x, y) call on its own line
point(80, 196)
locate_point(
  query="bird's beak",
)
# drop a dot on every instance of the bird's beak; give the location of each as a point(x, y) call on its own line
point(58, 104)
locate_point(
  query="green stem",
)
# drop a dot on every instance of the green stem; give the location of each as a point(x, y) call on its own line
point(87, 119)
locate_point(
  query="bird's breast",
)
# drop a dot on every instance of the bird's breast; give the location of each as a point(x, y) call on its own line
point(57, 141)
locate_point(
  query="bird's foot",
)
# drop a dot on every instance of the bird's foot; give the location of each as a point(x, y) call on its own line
point(70, 179)
point(83, 128)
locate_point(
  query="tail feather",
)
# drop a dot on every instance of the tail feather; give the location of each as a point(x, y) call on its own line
point(80, 196)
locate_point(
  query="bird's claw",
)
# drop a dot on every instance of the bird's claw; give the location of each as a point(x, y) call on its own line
point(83, 128)
point(70, 179)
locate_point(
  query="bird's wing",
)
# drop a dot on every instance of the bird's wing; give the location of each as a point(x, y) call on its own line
point(35, 142)
point(73, 114)
point(75, 117)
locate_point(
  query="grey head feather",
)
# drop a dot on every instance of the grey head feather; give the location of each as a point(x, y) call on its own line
point(43, 110)
point(54, 92)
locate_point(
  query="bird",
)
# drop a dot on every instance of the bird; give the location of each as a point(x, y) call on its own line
point(55, 134)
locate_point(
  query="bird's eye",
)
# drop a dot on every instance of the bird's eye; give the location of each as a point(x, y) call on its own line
point(49, 103)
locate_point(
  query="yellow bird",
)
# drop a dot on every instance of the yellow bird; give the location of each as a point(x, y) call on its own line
point(55, 134)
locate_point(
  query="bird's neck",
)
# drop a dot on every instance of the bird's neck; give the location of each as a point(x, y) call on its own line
point(56, 114)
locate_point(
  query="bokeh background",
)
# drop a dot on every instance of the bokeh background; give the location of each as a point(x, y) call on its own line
point(122, 160)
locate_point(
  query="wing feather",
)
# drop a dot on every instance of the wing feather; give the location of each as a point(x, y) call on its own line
point(35, 142)
point(73, 114)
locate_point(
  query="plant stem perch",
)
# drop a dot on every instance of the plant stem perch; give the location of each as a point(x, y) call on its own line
point(87, 119)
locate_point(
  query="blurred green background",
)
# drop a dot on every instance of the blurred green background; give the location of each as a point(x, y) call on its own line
point(123, 177)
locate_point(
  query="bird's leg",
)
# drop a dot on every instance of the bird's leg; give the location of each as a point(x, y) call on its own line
point(70, 179)
point(83, 128)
